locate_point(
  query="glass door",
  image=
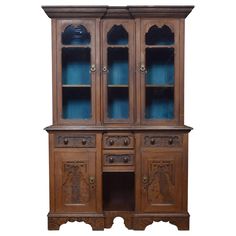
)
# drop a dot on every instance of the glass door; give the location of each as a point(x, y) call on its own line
point(117, 71)
point(77, 71)
point(159, 72)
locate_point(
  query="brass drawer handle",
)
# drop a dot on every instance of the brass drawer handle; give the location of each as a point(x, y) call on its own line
point(111, 142)
point(126, 142)
point(84, 141)
point(125, 159)
point(152, 141)
point(66, 141)
point(170, 141)
point(111, 160)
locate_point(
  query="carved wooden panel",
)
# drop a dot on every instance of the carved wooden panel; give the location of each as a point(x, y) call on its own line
point(75, 140)
point(161, 177)
point(118, 159)
point(118, 141)
point(162, 140)
point(75, 181)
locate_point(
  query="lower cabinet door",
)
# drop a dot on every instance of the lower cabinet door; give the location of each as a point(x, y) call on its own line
point(161, 181)
point(75, 181)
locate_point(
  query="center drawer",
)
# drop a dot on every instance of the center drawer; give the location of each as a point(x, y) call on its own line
point(118, 141)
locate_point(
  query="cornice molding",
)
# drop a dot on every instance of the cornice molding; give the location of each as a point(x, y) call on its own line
point(117, 11)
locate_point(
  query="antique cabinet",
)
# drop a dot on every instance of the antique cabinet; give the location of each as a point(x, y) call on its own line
point(118, 145)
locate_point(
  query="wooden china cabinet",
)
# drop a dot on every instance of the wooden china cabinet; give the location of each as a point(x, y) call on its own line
point(118, 144)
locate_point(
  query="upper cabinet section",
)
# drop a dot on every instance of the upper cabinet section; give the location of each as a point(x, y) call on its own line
point(118, 65)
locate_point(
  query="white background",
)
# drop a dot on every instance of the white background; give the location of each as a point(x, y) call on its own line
point(26, 107)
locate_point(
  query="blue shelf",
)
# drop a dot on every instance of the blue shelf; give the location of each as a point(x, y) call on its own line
point(77, 103)
point(160, 66)
point(159, 103)
point(118, 66)
point(76, 66)
point(118, 103)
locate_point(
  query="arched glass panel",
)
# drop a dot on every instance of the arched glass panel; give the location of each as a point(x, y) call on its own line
point(75, 35)
point(117, 35)
point(159, 36)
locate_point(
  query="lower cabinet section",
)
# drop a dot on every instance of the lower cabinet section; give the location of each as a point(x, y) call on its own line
point(144, 183)
point(161, 181)
point(75, 181)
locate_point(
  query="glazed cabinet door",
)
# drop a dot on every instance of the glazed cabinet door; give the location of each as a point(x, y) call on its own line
point(161, 181)
point(77, 71)
point(159, 71)
point(75, 181)
point(118, 70)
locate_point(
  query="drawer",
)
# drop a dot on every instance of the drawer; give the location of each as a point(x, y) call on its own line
point(114, 141)
point(152, 140)
point(75, 140)
point(118, 159)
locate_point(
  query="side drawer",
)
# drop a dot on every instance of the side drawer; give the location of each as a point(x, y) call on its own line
point(116, 141)
point(162, 140)
point(75, 140)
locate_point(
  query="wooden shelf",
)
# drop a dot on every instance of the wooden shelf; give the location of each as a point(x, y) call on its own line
point(117, 46)
point(159, 86)
point(118, 86)
point(160, 46)
point(75, 46)
point(76, 86)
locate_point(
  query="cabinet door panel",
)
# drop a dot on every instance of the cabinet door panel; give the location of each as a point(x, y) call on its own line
point(159, 71)
point(117, 70)
point(161, 181)
point(75, 181)
point(76, 71)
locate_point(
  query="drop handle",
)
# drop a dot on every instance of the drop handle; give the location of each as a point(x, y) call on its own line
point(66, 141)
point(93, 68)
point(125, 159)
point(84, 141)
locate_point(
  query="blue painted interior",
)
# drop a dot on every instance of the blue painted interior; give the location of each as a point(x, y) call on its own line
point(75, 35)
point(118, 103)
point(160, 66)
point(118, 66)
point(159, 103)
point(77, 103)
point(76, 66)
point(117, 35)
point(159, 36)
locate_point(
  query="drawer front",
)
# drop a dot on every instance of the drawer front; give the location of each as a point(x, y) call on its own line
point(114, 141)
point(162, 140)
point(75, 140)
point(118, 159)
